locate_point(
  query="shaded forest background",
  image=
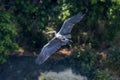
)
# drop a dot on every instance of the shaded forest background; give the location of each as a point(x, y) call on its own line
point(96, 38)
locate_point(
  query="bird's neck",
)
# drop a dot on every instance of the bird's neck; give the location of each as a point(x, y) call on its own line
point(58, 35)
point(54, 32)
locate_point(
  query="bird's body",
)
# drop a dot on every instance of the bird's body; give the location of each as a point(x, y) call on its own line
point(61, 38)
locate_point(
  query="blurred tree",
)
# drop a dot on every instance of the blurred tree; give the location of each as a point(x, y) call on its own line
point(99, 29)
point(7, 36)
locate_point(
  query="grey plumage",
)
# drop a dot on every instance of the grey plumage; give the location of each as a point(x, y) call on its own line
point(61, 38)
point(69, 23)
point(48, 50)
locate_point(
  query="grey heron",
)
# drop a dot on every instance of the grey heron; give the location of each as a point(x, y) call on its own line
point(61, 38)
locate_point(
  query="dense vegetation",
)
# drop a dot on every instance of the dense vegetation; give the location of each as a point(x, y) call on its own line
point(23, 23)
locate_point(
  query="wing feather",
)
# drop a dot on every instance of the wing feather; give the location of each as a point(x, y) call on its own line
point(48, 50)
point(69, 23)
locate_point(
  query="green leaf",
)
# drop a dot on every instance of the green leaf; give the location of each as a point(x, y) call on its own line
point(93, 1)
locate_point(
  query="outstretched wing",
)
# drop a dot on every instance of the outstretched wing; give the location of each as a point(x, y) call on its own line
point(69, 23)
point(50, 48)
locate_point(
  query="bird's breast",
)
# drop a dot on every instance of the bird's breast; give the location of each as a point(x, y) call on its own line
point(59, 36)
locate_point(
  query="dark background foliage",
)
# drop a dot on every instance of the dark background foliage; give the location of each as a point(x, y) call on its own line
point(23, 23)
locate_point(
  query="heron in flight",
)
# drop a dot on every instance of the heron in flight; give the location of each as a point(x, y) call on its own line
point(61, 38)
